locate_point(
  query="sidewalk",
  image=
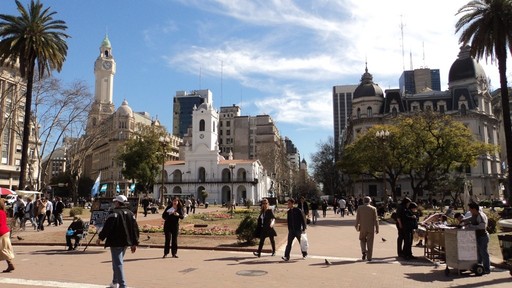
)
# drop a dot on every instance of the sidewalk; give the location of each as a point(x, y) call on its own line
point(332, 238)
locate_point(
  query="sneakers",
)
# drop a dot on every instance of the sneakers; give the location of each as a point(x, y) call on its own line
point(256, 254)
point(285, 258)
point(113, 285)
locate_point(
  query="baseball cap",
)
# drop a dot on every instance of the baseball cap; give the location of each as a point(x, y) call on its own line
point(120, 198)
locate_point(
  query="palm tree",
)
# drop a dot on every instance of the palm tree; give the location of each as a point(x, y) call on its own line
point(30, 38)
point(487, 26)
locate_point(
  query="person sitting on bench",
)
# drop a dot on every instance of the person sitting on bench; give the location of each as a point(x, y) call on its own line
point(75, 230)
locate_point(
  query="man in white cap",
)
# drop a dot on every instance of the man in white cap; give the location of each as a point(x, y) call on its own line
point(120, 231)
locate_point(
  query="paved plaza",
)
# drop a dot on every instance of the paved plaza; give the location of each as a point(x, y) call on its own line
point(333, 239)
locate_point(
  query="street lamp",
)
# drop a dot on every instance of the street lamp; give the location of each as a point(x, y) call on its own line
point(231, 167)
point(383, 135)
point(164, 141)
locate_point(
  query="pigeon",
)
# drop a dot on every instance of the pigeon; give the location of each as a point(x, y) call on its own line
point(383, 240)
point(327, 262)
point(19, 238)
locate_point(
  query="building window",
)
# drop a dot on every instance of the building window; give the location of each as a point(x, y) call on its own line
point(358, 113)
point(228, 123)
point(369, 112)
point(463, 109)
point(201, 125)
point(394, 112)
point(228, 132)
point(441, 109)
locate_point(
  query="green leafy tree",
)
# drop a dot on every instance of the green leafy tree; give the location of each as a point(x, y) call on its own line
point(424, 147)
point(371, 156)
point(143, 156)
point(487, 26)
point(32, 38)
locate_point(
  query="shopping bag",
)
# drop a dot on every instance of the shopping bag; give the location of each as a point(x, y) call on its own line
point(304, 245)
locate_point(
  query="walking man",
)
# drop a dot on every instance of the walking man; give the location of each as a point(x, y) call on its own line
point(367, 223)
point(120, 231)
point(296, 226)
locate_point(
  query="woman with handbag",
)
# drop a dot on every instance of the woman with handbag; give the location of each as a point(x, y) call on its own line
point(265, 227)
point(172, 215)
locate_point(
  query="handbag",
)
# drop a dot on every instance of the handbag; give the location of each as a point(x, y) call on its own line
point(304, 245)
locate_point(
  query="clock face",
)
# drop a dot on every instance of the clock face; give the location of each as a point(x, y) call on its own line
point(201, 136)
point(107, 64)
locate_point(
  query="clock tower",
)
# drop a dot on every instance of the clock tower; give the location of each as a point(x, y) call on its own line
point(204, 128)
point(104, 70)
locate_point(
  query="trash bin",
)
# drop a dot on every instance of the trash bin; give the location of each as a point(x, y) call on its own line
point(506, 246)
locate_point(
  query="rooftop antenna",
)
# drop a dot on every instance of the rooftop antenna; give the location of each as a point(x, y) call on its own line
point(221, 78)
point(410, 57)
point(424, 62)
point(200, 75)
point(402, 34)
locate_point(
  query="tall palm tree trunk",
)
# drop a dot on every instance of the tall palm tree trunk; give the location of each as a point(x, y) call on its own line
point(26, 126)
point(505, 105)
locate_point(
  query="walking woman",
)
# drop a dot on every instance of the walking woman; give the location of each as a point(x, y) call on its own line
point(6, 252)
point(172, 215)
point(265, 226)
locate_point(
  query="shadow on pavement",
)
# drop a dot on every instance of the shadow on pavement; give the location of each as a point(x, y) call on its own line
point(65, 252)
point(439, 276)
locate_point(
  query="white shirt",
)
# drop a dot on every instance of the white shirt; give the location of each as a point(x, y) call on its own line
point(342, 203)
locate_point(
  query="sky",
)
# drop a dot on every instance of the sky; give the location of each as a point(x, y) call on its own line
point(275, 57)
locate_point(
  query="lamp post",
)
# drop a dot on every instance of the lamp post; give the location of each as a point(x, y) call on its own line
point(231, 167)
point(164, 141)
point(383, 135)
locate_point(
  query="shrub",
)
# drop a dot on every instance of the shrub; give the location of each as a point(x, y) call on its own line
point(248, 204)
point(492, 221)
point(245, 230)
point(75, 211)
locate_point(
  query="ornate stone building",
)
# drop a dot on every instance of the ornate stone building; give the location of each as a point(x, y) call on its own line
point(467, 99)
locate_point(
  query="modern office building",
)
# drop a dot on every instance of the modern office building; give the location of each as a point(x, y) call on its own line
point(342, 107)
point(183, 106)
point(418, 80)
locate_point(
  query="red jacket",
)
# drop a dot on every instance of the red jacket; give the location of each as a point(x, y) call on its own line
point(4, 228)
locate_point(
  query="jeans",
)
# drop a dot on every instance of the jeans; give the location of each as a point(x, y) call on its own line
point(483, 255)
point(117, 265)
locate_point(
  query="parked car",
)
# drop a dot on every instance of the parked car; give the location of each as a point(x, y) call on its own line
point(9, 199)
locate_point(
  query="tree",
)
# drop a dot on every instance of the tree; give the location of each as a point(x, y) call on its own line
point(487, 26)
point(373, 156)
point(143, 156)
point(60, 113)
point(324, 168)
point(423, 147)
point(34, 37)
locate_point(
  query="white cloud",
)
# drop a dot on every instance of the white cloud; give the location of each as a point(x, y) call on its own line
point(298, 52)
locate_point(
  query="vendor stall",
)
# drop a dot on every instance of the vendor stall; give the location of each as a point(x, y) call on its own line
point(434, 249)
point(461, 251)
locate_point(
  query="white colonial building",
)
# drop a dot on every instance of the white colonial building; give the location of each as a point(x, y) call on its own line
point(202, 168)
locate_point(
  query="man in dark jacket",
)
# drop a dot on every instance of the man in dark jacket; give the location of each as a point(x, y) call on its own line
point(296, 226)
point(120, 231)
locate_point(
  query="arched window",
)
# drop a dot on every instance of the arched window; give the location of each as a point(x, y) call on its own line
point(202, 174)
point(463, 109)
point(369, 112)
point(201, 125)
point(358, 113)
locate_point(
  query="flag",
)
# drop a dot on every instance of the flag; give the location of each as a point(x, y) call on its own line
point(103, 188)
point(96, 186)
point(117, 188)
point(132, 187)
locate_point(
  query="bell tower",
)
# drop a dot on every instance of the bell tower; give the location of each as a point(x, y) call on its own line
point(104, 70)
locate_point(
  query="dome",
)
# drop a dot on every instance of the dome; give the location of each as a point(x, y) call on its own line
point(466, 67)
point(106, 42)
point(125, 110)
point(367, 87)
